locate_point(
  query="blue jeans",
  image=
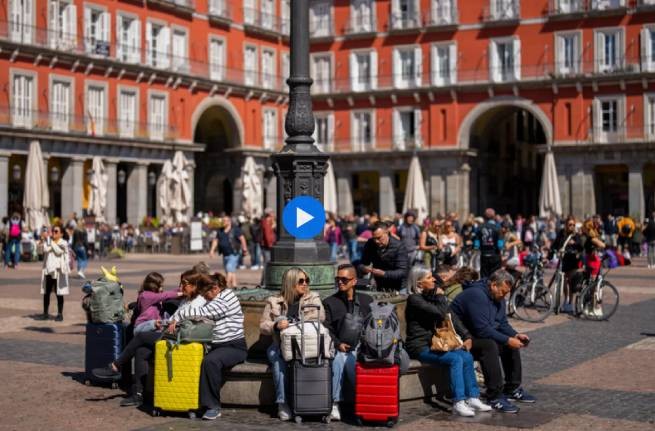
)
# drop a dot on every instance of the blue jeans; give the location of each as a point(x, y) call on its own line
point(342, 365)
point(353, 250)
point(334, 248)
point(82, 259)
point(254, 249)
point(12, 252)
point(279, 371)
point(230, 262)
point(462, 375)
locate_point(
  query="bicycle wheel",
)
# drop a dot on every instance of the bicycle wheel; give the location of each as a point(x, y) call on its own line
point(598, 304)
point(529, 308)
point(554, 286)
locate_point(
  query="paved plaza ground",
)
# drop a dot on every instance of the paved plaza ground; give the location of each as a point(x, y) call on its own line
point(587, 375)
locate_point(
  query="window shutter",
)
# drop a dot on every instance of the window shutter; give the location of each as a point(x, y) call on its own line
point(517, 58)
point(418, 136)
point(452, 60)
point(560, 54)
point(434, 64)
point(87, 29)
point(395, 14)
point(53, 23)
point(71, 24)
point(418, 65)
point(353, 132)
point(165, 38)
point(494, 71)
point(122, 45)
point(106, 29)
point(397, 131)
point(135, 35)
point(621, 118)
point(374, 69)
point(149, 41)
point(27, 21)
point(600, 52)
point(330, 132)
point(354, 84)
point(597, 124)
point(620, 51)
point(645, 47)
point(397, 71)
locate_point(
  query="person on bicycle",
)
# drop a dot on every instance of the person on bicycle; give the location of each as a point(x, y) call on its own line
point(593, 247)
point(570, 258)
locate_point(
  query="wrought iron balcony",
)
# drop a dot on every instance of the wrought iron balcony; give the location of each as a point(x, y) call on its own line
point(502, 12)
point(261, 22)
point(186, 6)
point(442, 18)
point(321, 29)
point(645, 5)
point(607, 7)
point(220, 12)
point(404, 21)
point(361, 27)
point(564, 9)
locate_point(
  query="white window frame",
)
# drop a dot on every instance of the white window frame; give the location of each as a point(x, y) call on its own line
point(321, 28)
point(560, 55)
point(322, 86)
point(504, 9)
point(249, 74)
point(179, 60)
point(285, 17)
point(62, 35)
point(402, 20)
point(29, 119)
point(649, 116)
point(127, 125)
point(607, 4)
point(157, 132)
point(600, 65)
point(60, 121)
point(95, 44)
point(647, 49)
point(371, 83)
point(364, 22)
point(158, 58)
point(96, 127)
point(269, 76)
point(270, 140)
point(401, 142)
point(437, 79)
point(497, 71)
point(217, 69)
point(285, 68)
point(400, 80)
point(22, 16)
point(443, 12)
point(328, 116)
point(130, 51)
point(609, 136)
point(267, 14)
point(357, 145)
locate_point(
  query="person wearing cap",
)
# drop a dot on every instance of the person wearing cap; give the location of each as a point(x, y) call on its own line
point(409, 233)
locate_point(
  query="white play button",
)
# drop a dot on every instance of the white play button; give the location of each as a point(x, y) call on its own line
point(302, 217)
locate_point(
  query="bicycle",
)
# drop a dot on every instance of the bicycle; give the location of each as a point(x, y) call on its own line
point(531, 300)
point(598, 299)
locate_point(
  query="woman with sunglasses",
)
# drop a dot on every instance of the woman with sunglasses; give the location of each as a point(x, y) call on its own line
point(54, 276)
point(278, 312)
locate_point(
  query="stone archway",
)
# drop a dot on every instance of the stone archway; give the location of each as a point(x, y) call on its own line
point(507, 134)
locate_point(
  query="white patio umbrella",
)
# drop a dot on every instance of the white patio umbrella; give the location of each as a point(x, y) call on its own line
point(415, 196)
point(252, 189)
point(549, 198)
point(330, 191)
point(98, 198)
point(179, 193)
point(163, 192)
point(36, 198)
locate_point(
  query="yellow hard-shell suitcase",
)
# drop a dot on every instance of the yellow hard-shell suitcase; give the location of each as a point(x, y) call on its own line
point(177, 377)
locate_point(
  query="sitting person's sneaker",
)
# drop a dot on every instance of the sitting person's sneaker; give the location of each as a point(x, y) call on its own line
point(460, 408)
point(136, 399)
point(521, 396)
point(284, 412)
point(336, 413)
point(212, 414)
point(478, 405)
point(107, 373)
point(502, 405)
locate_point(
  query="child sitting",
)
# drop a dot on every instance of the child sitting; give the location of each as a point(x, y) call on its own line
point(149, 303)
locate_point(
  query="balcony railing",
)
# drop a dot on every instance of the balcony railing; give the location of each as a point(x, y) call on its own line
point(442, 17)
point(562, 8)
point(219, 11)
point(399, 21)
point(260, 21)
point(127, 54)
point(502, 11)
point(606, 6)
point(360, 26)
point(404, 142)
point(84, 125)
point(321, 29)
point(645, 4)
point(188, 6)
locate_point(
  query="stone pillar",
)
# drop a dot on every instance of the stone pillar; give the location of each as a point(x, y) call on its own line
point(344, 195)
point(110, 210)
point(387, 195)
point(437, 195)
point(636, 201)
point(271, 194)
point(137, 194)
point(4, 185)
point(72, 188)
point(464, 191)
point(564, 183)
point(583, 194)
point(191, 170)
point(452, 191)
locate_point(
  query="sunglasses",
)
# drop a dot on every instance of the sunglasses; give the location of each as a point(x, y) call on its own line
point(56, 231)
point(303, 281)
point(343, 280)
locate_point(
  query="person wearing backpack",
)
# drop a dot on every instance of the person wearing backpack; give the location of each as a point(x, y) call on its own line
point(427, 308)
point(12, 242)
point(344, 315)
point(56, 268)
point(488, 237)
point(231, 244)
point(279, 311)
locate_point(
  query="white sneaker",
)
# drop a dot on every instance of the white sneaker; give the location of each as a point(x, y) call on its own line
point(80, 274)
point(283, 412)
point(478, 405)
point(242, 266)
point(254, 267)
point(462, 409)
point(336, 414)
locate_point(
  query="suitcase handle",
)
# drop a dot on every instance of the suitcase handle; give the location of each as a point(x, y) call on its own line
point(319, 358)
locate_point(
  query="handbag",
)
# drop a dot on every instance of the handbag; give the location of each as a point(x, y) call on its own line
point(351, 328)
point(445, 339)
point(191, 331)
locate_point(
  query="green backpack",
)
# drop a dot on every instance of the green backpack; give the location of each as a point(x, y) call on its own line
point(106, 301)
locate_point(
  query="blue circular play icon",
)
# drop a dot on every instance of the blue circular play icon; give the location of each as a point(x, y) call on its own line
point(304, 217)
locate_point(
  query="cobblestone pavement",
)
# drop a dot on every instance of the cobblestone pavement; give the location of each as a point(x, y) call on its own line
point(587, 375)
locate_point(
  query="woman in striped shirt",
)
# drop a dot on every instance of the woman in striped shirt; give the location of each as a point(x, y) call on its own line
point(228, 347)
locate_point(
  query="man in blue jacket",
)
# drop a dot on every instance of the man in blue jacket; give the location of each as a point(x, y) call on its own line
point(481, 307)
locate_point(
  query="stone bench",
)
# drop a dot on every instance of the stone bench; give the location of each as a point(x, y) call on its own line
point(251, 384)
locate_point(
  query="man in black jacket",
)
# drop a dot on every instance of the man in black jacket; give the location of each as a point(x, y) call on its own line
point(387, 258)
point(343, 312)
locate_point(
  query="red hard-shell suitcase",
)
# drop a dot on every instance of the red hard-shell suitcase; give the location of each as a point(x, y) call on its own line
point(377, 394)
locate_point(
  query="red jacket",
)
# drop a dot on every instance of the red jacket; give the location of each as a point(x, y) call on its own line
point(268, 234)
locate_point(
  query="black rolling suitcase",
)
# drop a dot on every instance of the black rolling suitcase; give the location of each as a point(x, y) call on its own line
point(310, 380)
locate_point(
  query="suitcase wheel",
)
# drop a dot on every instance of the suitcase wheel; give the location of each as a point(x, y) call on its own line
point(359, 422)
point(327, 419)
point(114, 385)
point(156, 412)
point(87, 382)
point(391, 423)
point(192, 415)
point(298, 419)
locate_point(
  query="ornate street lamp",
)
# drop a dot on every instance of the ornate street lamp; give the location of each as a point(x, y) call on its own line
point(299, 167)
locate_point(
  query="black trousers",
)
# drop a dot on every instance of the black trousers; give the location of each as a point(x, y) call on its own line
point(489, 263)
point(488, 352)
point(141, 348)
point(221, 357)
point(50, 287)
